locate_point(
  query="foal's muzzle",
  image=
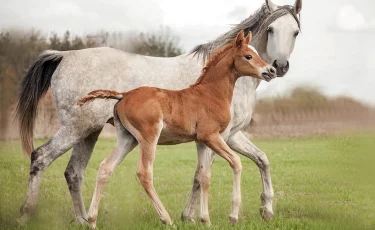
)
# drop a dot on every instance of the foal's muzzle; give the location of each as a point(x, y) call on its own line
point(269, 73)
point(281, 69)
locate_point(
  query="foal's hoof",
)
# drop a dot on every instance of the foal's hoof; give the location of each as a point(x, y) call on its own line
point(92, 222)
point(265, 213)
point(167, 221)
point(92, 226)
point(206, 221)
point(233, 219)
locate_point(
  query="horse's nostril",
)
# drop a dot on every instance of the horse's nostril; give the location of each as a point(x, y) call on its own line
point(286, 68)
point(274, 64)
point(272, 70)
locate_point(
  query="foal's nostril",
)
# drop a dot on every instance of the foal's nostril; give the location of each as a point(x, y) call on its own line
point(266, 76)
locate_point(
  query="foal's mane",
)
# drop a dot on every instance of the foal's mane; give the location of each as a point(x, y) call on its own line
point(213, 60)
point(257, 23)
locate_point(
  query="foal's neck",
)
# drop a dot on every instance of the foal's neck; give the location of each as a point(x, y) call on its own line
point(219, 80)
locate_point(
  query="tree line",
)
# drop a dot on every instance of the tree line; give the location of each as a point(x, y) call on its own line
point(19, 50)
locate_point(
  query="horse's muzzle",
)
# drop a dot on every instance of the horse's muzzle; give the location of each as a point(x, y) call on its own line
point(281, 70)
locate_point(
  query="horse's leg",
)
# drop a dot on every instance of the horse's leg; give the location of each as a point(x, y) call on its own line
point(189, 210)
point(145, 175)
point(75, 171)
point(218, 145)
point(241, 144)
point(204, 177)
point(41, 158)
point(125, 143)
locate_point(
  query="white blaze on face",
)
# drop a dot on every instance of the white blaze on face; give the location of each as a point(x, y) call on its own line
point(281, 41)
point(252, 47)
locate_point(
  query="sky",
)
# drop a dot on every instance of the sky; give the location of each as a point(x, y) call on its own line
point(334, 53)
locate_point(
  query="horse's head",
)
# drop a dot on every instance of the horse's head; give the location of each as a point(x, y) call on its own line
point(275, 31)
point(247, 61)
point(282, 28)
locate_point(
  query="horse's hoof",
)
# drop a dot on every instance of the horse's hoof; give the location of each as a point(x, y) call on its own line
point(233, 219)
point(187, 218)
point(81, 221)
point(265, 213)
point(26, 212)
point(21, 221)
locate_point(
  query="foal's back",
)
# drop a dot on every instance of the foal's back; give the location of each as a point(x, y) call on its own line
point(174, 113)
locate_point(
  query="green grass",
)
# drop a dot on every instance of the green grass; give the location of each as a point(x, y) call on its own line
point(320, 183)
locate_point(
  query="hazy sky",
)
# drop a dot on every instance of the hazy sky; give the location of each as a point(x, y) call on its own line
point(335, 51)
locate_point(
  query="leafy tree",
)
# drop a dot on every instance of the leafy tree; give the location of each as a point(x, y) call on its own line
point(160, 43)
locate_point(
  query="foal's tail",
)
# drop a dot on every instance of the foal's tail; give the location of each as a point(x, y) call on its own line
point(103, 94)
point(34, 85)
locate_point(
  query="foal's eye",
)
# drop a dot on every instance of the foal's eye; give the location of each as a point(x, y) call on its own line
point(248, 57)
point(296, 33)
point(270, 30)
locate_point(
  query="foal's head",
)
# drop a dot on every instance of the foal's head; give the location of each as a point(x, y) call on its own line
point(247, 62)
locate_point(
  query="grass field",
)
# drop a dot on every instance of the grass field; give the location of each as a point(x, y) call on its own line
point(320, 183)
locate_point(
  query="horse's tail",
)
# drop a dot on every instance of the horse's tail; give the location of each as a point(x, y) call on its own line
point(34, 85)
point(103, 94)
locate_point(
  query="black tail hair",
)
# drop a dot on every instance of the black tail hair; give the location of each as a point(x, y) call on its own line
point(33, 87)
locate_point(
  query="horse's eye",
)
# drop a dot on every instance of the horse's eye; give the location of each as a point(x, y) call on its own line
point(248, 57)
point(296, 34)
point(270, 30)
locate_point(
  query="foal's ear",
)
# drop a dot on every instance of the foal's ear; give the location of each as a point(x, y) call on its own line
point(297, 6)
point(240, 39)
point(248, 38)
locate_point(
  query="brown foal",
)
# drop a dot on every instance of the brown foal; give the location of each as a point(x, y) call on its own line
point(199, 113)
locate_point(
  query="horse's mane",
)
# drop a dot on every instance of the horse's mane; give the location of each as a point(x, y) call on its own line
point(213, 60)
point(257, 23)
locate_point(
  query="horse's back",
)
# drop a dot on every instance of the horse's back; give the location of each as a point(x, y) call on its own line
point(107, 68)
point(82, 71)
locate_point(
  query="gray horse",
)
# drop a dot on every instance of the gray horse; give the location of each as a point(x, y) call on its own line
point(72, 74)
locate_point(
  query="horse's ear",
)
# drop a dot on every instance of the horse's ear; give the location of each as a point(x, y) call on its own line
point(239, 39)
point(271, 6)
point(248, 38)
point(297, 6)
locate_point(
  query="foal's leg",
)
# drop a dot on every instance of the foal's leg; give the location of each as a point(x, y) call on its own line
point(204, 177)
point(41, 158)
point(145, 175)
point(125, 143)
point(218, 145)
point(241, 144)
point(75, 170)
